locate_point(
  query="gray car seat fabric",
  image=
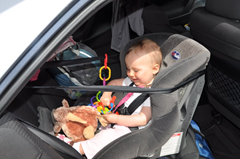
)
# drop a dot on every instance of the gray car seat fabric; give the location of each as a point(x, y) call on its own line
point(168, 110)
point(18, 142)
point(217, 28)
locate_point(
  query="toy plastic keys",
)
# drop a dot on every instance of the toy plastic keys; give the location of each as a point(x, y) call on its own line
point(106, 109)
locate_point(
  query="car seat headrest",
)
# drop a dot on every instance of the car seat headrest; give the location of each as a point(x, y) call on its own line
point(223, 8)
point(179, 47)
point(174, 47)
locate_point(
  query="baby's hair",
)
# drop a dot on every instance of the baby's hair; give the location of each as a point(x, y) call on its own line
point(149, 47)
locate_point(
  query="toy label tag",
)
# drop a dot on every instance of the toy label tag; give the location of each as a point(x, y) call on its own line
point(172, 146)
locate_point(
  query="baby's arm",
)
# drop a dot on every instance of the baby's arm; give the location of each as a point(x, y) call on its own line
point(140, 119)
point(107, 96)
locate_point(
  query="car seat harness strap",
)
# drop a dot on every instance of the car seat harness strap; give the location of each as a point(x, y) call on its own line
point(133, 106)
point(121, 109)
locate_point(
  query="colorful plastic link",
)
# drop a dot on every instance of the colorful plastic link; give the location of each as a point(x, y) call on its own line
point(98, 104)
point(105, 109)
point(106, 68)
point(100, 73)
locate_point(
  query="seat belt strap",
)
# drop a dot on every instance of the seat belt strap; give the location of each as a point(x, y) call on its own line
point(125, 89)
point(123, 101)
point(135, 104)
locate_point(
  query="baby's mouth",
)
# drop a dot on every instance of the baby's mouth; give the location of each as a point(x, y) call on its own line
point(135, 80)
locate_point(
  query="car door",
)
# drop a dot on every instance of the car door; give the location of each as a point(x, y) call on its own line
point(37, 44)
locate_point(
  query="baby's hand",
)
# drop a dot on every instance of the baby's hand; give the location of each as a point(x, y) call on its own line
point(111, 117)
point(106, 98)
point(102, 120)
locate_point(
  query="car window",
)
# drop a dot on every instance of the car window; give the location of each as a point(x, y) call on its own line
point(16, 31)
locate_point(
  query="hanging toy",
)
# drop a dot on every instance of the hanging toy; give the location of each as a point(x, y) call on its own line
point(105, 67)
point(98, 104)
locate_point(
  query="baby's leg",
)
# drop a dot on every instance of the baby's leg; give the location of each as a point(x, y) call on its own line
point(92, 146)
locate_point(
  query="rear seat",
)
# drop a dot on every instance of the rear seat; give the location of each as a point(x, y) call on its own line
point(25, 104)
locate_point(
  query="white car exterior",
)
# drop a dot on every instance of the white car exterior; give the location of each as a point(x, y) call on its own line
point(21, 23)
point(30, 31)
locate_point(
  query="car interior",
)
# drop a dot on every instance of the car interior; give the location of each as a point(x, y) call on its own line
point(185, 25)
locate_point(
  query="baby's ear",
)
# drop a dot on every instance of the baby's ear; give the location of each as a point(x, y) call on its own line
point(156, 68)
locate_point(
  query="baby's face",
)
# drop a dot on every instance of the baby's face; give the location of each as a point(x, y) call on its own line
point(140, 68)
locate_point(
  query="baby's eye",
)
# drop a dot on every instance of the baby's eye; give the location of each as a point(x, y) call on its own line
point(135, 70)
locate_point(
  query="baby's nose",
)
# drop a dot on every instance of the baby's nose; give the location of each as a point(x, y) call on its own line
point(131, 73)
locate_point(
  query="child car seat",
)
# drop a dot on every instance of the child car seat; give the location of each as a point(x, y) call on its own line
point(171, 112)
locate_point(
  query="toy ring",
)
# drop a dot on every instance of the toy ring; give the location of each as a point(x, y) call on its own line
point(109, 73)
point(98, 95)
point(92, 100)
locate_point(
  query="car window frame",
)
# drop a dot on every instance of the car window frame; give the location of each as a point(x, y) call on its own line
point(43, 46)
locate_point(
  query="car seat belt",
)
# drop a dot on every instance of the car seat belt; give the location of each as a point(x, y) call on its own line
point(137, 102)
point(134, 105)
point(188, 6)
point(124, 88)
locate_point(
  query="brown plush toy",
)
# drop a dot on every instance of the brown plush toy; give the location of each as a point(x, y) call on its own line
point(79, 123)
